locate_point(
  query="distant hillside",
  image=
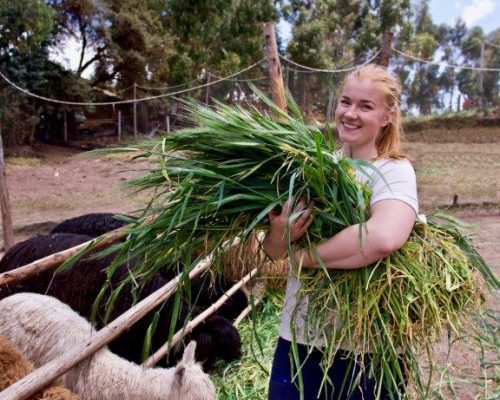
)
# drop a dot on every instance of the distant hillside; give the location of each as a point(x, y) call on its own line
point(452, 128)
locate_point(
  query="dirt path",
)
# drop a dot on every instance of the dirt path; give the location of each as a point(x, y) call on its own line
point(56, 183)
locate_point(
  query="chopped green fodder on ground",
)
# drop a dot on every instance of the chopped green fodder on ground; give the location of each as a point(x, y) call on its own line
point(248, 377)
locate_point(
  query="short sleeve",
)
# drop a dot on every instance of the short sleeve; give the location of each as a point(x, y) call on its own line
point(394, 180)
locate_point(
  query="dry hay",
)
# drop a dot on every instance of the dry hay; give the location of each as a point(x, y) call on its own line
point(241, 259)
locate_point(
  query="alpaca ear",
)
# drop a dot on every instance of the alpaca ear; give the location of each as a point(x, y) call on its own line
point(179, 375)
point(188, 356)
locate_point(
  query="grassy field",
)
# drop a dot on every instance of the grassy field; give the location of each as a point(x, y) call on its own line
point(468, 171)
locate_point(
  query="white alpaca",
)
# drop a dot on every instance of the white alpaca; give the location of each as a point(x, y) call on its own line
point(44, 328)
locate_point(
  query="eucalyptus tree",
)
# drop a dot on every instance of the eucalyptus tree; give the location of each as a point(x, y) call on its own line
point(480, 50)
point(492, 59)
point(450, 40)
point(322, 32)
point(220, 36)
point(420, 79)
point(334, 33)
point(120, 40)
point(84, 22)
point(379, 16)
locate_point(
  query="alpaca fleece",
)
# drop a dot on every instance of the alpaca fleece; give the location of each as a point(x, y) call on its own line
point(14, 366)
point(94, 224)
point(44, 328)
point(80, 286)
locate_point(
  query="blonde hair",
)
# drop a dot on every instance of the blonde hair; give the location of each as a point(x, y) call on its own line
point(389, 140)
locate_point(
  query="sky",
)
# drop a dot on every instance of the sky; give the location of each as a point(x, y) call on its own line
point(485, 13)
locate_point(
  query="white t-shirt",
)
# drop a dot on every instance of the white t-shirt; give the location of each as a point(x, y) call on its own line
point(392, 179)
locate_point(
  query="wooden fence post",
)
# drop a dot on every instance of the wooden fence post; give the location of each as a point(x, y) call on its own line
point(135, 110)
point(65, 127)
point(207, 89)
point(8, 232)
point(329, 107)
point(119, 126)
point(481, 73)
point(274, 65)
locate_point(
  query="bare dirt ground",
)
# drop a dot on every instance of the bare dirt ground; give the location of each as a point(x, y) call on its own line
point(53, 183)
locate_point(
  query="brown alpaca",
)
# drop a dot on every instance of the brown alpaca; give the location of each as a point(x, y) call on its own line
point(14, 366)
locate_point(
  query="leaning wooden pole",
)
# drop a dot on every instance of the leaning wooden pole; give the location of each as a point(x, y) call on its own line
point(8, 231)
point(247, 310)
point(154, 358)
point(44, 375)
point(274, 66)
point(56, 259)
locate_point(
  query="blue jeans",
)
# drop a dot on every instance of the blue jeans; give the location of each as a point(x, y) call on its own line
point(341, 375)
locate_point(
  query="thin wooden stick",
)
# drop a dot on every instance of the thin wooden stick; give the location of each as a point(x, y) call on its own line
point(154, 358)
point(44, 375)
point(247, 310)
point(56, 259)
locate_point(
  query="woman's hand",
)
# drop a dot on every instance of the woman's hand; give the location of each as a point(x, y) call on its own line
point(300, 220)
point(295, 221)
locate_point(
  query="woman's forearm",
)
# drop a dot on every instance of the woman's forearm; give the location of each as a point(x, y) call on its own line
point(385, 232)
point(346, 250)
point(274, 246)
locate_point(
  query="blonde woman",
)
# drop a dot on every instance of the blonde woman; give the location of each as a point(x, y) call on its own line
point(368, 121)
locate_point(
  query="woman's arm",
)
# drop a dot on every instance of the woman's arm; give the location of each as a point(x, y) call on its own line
point(386, 231)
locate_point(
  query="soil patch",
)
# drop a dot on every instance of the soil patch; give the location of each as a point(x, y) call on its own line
point(55, 183)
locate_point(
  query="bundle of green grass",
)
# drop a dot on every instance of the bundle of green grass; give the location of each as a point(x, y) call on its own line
point(219, 179)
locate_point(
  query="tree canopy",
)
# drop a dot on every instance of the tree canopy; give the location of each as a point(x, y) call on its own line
point(122, 42)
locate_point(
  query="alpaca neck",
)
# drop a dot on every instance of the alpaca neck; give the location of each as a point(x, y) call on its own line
point(113, 377)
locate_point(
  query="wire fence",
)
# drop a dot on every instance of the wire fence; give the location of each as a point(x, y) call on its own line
point(144, 109)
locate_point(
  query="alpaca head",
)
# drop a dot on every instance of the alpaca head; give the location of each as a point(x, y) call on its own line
point(216, 338)
point(225, 337)
point(190, 382)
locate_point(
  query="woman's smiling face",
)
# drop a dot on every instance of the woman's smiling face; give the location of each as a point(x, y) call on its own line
point(360, 116)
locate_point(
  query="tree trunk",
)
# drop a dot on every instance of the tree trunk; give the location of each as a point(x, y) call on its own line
point(386, 48)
